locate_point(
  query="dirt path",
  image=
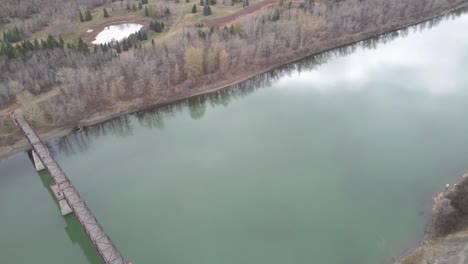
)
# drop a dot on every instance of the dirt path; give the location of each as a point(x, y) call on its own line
point(222, 21)
point(37, 99)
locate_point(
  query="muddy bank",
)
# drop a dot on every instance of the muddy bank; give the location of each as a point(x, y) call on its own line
point(227, 80)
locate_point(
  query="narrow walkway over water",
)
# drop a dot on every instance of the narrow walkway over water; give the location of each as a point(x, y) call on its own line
point(102, 242)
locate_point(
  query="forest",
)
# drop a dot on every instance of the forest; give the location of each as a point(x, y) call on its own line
point(58, 84)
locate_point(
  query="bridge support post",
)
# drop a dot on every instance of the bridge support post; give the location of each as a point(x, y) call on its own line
point(64, 207)
point(37, 162)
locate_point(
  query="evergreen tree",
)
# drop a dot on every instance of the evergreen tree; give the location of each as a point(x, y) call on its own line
point(43, 45)
point(194, 9)
point(10, 51)
point(81, 16)
point(88, 16)
point(140, 6)
point(275, 16)
point(117, 47)
point(206, 10)
point(212, 2)
point(157, 28)
point(187, 1)
point(61, 42)
point(146, 11)
point(105, 13)
point(152, 42)
point(125, 45)
point(245, 3)
point(37, 46)
point(202, 3)
point(51, 42)
point(167, 12)
point(82, 47)
point(12, 35)
point(134, 8)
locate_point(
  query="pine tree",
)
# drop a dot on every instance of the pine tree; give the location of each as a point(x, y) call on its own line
point(275, 16)
point(156, 27)
point(51, 42)
point(81, 16)
point(140, 6)
point(194, 9)
point(105, 13)
point(146, 11)
point(159, 27)
point(152, 42)
point(61, 42)
point(43, 45)
point(232, 30)
point(202, 3)
point(13, 35)
point(167, 12)
point(206, 10)
point(134, 8)
point(125, 45)
point(36, 45)
point(117, 47)
point(88, 16)
point(81, 46)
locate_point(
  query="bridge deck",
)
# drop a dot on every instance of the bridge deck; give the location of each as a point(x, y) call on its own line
point(101, 241)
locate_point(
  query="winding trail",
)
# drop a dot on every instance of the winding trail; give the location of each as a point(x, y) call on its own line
point(226, 20)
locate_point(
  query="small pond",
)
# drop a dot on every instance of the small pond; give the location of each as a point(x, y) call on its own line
point(116, 32)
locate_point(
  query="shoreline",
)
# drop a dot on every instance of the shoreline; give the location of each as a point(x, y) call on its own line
point(446, 237)
point(132, 107)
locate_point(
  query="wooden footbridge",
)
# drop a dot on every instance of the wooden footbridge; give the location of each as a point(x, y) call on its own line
point(65, 189)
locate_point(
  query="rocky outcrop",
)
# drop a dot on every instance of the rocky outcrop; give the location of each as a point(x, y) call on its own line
point(447, 237)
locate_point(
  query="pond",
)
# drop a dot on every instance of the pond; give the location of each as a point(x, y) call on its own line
point(332, 160)
point(116, 33)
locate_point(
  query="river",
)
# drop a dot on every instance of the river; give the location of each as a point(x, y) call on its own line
point(331, 160)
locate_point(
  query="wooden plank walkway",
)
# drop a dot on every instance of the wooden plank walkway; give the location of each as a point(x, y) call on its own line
point(100, 239)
